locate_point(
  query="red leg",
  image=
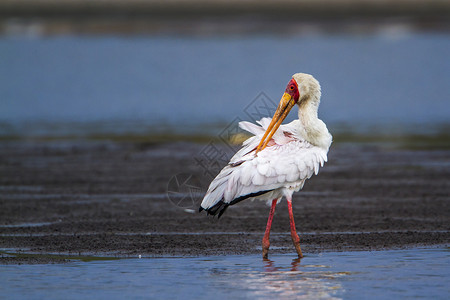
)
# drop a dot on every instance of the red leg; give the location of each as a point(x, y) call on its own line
point(265, 241)
point(294, 235)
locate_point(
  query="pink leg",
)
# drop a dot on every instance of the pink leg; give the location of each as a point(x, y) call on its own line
point(265, 241)
point(294, 235)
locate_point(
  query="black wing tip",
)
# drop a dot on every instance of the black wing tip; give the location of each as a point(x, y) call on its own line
point(222, 210)
point(218, 208)
point(200, 209)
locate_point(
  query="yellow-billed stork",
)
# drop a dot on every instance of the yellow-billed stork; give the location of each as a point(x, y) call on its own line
point(277, 160)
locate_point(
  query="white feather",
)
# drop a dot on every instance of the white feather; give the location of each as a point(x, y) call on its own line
point(296, 152)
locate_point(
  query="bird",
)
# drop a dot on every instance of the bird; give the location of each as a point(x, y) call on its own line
point(277, 160)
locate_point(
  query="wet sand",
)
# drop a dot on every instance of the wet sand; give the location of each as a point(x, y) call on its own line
point(120, 199)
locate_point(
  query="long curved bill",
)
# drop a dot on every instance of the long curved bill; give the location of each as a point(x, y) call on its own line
point(283, 109)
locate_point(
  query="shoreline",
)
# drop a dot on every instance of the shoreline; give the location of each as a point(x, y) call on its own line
point(212, 17)
point(11, 257)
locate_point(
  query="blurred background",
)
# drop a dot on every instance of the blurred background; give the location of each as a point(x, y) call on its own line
point(184, 69)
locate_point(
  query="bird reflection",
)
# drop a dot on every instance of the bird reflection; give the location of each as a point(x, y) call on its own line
point(270, 267)
point(298, 280)
point(295, 262)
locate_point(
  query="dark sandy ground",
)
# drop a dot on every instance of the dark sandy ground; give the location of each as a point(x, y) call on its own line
point(120, 199)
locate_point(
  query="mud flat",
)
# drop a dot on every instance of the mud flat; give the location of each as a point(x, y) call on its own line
point(120, 199)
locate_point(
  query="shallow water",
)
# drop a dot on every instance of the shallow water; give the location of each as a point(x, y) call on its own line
point(387, 80)
point(393, 274)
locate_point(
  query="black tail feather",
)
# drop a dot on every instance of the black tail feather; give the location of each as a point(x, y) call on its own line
point(219, 207)
point(223, 210)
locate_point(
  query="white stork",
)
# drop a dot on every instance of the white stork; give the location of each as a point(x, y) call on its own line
point(277, 160)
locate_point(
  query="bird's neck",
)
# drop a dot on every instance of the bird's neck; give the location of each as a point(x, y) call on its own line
point(311, 127)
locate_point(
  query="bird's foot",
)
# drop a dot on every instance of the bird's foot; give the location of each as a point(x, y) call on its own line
point(298, 249)
point(265, 247)
point(296, 242)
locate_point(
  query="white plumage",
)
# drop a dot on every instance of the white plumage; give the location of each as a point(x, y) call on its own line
point(277, 160)
point(282, 167)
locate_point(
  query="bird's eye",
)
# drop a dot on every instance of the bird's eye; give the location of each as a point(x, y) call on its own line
point(292, 87)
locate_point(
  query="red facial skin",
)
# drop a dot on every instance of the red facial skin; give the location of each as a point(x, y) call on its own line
point(292, 89)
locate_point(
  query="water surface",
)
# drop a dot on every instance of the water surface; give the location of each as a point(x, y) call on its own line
point(397, 79)
point(393, 274)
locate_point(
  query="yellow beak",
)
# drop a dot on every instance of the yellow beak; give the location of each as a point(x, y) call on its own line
point(283, 109)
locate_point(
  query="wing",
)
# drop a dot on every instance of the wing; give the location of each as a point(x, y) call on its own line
point(287, 162)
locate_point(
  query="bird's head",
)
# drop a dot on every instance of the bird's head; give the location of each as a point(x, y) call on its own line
point(301, 89)
point(309, 89)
